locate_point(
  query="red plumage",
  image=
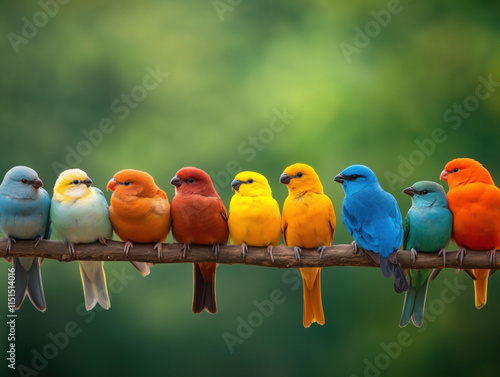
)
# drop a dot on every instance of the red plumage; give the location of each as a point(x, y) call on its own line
point(200, 217)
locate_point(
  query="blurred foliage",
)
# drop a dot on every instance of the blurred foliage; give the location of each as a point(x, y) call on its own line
point(229, 70)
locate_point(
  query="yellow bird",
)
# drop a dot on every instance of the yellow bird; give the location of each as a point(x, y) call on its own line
point(308, 222)
point(254, 215)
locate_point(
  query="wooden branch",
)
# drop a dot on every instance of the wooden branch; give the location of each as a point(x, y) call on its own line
point(284, 256)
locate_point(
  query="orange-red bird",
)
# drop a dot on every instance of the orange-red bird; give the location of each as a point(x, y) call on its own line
point(474, 201)
point(139, 211)
point(200, 217)
point(308, 221)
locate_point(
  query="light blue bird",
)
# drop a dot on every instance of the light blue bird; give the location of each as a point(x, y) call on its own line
point(427, 228)
point(24, 214)
point(79, 214)
point(373, 219)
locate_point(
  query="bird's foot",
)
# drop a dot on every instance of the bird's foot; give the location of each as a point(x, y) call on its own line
point(442, 253)
point(37, 241)
point(185, 248)
point(270, 252)
point(128, 245)
point(321, 249)
point(462, 252)
point(244, 249)
point(413, 253)
point(10, 241)
point(102, 240)
point(298, 251)
point(355, 247)
point(493, 256)
point(71, 248)
point(215, 249)
point(159, 248)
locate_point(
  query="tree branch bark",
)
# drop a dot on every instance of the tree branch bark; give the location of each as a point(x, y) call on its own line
point(284, 256)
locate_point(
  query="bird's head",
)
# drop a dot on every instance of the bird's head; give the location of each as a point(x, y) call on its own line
point(355, 178)
point(190, 180)
point(131, 182)
point(249, 183)
point(301, 178)
point(461, 171)
point(21, 182)
point(427, 194)
point(72, 184)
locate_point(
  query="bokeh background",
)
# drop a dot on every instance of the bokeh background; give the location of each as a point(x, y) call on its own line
point(399, 86)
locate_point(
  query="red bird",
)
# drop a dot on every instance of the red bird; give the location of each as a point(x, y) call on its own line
point(200, 217)
point(474, 201)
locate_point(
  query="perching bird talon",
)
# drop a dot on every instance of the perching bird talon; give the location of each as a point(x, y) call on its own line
point(244, 249)
point(442, 252)
point(185, 247)
point(355, 246)
point(10, 240)
point(216, 249)
point(413, 253)
point(159, 248)
point(493, 256)
point(462, 252)
point(128, 245)
point(321, 249)
point(298, 251)
point(37, 242)
point(102, 240)
point(270, 252)
point(71, 248)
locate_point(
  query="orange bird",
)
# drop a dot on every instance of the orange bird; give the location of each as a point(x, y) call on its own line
point(308, 221)
point(474, 201)
point(139, 211)
point(200, 217)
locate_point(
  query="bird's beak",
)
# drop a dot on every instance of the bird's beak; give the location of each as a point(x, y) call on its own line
point(409, 191)
point(235, 184)
point(37, 183)
point(285, 179)
point(111, 184)
point(88, 182)
point(339, 178)
point(444, 175)
point(176, 181)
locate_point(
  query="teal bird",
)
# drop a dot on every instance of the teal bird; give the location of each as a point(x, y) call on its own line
point(79, 214)
point(24, 214)
point(427, 228)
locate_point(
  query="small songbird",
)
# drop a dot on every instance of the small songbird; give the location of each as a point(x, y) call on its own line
point(79, 214)
point(24, 214)
point(373, 219)
point(199, 216)
point(427, 228)
point(254, 215)
point(474, 201)
point(139, 211)
point(308, 222)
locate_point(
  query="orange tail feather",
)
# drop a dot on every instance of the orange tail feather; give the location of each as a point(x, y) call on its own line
point(313, 308)
point(481, 286)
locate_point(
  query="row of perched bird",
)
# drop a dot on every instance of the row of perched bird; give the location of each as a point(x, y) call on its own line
point(139, 212)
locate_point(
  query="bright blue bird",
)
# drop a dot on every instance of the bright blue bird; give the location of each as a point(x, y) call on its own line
point(373, 219)
point(24, 214)
point(427, 228)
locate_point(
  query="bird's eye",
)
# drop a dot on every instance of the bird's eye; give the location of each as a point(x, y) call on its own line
point(126, 183)
point(250, 180)
point(455, 170)
point(190, 180)
point(300, 174)
point(75, 182)
point(424, 192)
point(354, 176)
point(24, 180)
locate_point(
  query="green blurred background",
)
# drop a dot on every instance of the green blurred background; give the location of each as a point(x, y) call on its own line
point(360, 84)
